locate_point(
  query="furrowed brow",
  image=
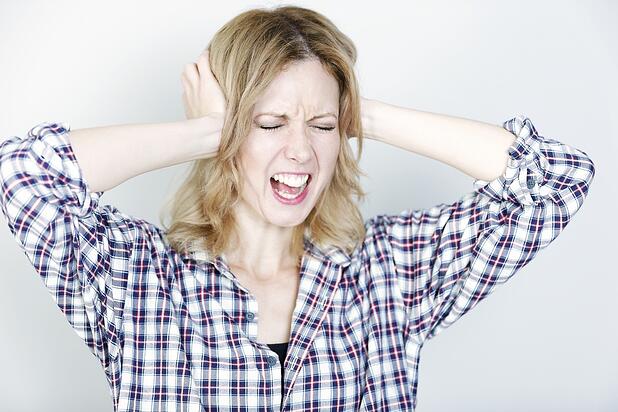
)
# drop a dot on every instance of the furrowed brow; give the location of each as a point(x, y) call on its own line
point(285, 116)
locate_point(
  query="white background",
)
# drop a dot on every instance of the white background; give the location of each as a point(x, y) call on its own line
point(546, 341)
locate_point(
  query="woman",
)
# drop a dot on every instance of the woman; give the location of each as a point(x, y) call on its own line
point(268, 290)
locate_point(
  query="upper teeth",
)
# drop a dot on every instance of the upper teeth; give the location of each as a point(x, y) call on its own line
point(291, 180)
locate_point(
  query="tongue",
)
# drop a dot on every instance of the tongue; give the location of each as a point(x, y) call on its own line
point(282, 187)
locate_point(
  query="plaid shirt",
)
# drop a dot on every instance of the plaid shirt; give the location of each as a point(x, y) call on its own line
point(178, 332)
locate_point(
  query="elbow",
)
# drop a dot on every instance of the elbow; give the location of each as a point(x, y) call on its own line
point(586, 170)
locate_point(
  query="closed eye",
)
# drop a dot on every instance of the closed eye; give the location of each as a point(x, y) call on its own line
point(326, 129)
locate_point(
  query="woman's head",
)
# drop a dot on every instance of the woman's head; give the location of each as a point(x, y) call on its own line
point(295, 63)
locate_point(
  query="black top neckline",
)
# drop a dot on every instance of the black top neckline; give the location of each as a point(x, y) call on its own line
point(280, 349)
point(277, 345)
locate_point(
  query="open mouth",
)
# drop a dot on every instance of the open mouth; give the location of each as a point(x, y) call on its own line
point(290, 191)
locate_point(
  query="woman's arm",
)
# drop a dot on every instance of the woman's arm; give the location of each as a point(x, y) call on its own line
point(451, 256)
point(478, 149)
point(110, 155)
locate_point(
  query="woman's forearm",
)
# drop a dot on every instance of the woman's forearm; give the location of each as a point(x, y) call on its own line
point(476, 148)
point(110, 155)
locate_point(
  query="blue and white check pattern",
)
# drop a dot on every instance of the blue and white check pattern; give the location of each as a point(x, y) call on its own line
point(179, 333)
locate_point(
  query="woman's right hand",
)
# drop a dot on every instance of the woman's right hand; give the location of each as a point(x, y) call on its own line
point(202, 94)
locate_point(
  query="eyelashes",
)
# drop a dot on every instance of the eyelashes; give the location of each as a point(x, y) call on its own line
point(272, 128)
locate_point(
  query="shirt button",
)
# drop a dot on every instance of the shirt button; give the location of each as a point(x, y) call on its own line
point(530, 182)
point(250, 316)
point(272, 361)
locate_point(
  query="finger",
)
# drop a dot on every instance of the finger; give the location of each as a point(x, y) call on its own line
point(191, 73)
point(205, 56)
point(187, 86)
point(203, 66)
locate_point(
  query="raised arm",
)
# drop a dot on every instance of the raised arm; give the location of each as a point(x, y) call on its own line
point(475, 148)
point(89, 255)
point(449, 257)
point(110, 155)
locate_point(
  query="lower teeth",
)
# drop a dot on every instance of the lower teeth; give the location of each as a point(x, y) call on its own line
point(290, 195)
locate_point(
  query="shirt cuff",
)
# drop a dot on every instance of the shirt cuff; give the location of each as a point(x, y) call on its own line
point(52, 151)
point(524, 175)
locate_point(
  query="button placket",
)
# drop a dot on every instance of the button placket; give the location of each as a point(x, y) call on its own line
point(271, 360)
point(251, 317)
point(530, 182)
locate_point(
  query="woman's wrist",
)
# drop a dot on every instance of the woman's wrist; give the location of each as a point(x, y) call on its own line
point(206, 132)
point(368, 118)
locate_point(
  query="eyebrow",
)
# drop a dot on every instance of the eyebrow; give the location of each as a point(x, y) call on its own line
point(285, 116)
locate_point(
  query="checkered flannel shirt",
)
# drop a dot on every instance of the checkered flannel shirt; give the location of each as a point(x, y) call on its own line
point(178, 332)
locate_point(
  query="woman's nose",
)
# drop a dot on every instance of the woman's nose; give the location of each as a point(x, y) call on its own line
point(299, 145)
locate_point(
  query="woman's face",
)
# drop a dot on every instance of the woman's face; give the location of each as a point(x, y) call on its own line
point(300, 107)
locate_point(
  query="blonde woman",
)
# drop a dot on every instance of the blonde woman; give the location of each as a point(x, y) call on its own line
point(268, 290)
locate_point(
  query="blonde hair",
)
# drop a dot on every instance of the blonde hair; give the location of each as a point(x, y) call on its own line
point(246, 54)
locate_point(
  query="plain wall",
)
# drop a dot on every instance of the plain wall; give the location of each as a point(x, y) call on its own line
point(545, 341)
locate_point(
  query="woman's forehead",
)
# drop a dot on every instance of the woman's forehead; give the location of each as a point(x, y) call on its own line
point(292, 106)
point(308, 87)
point(284, 115)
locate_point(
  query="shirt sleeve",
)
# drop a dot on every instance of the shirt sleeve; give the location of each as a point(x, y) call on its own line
point(451, 256)
point(80, 250)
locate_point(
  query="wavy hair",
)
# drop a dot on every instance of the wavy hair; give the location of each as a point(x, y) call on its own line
point(246, 54)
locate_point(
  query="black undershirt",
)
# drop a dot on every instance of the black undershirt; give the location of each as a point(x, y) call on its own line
point(280, 349)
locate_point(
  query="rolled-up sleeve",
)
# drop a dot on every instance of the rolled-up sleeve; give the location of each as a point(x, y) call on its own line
point(80, 250)
point(451, 256)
